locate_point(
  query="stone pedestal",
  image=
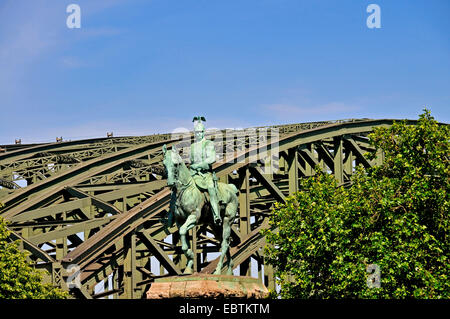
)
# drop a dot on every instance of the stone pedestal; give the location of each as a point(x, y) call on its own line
point(207, 286)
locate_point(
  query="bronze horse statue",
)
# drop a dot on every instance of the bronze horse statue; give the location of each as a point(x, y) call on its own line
point(191, 208)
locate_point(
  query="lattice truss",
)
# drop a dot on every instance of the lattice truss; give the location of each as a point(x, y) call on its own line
point(97, 205)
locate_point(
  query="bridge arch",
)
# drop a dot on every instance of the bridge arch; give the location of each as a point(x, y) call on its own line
point(98, 203)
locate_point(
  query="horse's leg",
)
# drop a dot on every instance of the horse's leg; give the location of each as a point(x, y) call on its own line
point(171, 216)
point(188, 224)
point(230, 263)
point(225, 247)
point(230, 214)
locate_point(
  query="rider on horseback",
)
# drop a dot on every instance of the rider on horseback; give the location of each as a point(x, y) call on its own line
point(203, 155)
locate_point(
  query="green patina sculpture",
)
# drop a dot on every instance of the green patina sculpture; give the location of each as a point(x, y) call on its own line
point(197, 197)
point(203, 155)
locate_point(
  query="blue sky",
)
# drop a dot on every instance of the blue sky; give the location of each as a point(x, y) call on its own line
point(140, 67)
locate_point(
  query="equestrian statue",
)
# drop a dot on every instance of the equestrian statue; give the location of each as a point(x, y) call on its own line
point(198, 198)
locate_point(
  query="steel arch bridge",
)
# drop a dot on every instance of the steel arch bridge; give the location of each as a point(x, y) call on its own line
point(97, 205)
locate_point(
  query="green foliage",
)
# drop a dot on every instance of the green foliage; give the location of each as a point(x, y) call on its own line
point(395, 216)
point(18, 279)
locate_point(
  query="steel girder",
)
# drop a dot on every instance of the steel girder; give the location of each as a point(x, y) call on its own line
point(101, 210)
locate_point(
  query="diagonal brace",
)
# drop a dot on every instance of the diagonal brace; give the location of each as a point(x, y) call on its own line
point(159, 253)
point(271, 187)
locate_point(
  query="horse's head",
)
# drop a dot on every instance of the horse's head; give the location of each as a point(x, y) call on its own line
point(172, 161)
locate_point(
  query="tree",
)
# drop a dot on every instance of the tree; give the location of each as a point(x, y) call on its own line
point(326, 239)
point(18, 278)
